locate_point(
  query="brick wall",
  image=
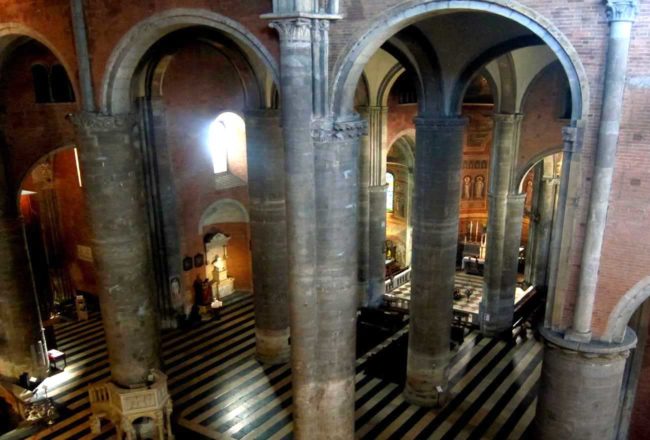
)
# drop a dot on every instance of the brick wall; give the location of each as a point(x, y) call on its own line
point(199, 84)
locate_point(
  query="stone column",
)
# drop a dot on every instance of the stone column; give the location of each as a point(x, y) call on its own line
point(566, 207)
point(621, 14)
point(265, 151)
point(377, 206)
point(114, 191)
point(505, 214)
point(336, 194)
point(580, 388)
point(539, 240)
point(297, 108)
point(364, 216)
point(435, 234)
point(21, 348)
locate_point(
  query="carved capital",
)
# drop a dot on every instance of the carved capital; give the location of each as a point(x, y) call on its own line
point(293, 30)
point(96, 122)
point(569, 139)
point(508, 117)
point(621, 10)
point(325, 130)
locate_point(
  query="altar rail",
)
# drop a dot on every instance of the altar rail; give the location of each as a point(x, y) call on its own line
point(398, 280)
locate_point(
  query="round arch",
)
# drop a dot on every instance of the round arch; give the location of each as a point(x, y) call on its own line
point(223, 211)
point(40, 160)
point(124, 61)
point(352, 61)
point(624, 309)
point(13, 33)
point(523, 171)
point(405, 143)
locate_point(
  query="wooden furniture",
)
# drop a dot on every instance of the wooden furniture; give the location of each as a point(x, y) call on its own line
point(55, 356)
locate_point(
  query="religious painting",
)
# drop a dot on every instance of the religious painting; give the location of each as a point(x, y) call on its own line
point(479, 129)
point(198, 260)
point(479, 187)
point(467, 188)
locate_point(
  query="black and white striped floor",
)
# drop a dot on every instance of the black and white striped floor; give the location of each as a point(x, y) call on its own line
point(221, 392)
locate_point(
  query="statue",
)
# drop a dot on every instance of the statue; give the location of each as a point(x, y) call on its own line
point(467, 187)
point(479, 187)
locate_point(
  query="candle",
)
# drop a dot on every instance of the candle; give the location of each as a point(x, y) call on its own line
point(471, 225)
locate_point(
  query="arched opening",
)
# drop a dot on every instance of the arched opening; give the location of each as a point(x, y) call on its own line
point(484, 108)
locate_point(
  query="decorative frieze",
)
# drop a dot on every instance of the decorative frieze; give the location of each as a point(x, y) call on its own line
point(93, 122)
point(621, 10)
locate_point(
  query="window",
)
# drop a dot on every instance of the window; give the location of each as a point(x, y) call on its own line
point(390, 191)
point(226, 133)
point(60, 85)
point(41, 83)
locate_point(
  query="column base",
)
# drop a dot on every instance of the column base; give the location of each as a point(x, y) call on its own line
point(576, 336)
point(494, 324)
point(580, 388)
point(272, 346)
point(123, 406)
point(324, 411)
point(426, 380)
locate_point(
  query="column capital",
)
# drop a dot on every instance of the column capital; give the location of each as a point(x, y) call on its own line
point(621, 10)
point(570, 139)
point(293, 29)
point(97, 122)
point(439, 123)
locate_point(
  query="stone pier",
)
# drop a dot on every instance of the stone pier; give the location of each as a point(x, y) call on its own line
point(265, 151)
point(505, 213)
point(114, 191)
point(435, 234)
point(21, 349)
point(580, 388)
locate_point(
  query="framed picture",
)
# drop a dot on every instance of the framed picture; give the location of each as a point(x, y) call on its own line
point(198, 260)
point(187, 263)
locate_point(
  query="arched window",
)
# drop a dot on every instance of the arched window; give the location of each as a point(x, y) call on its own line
point(41, 83)
point(60, 85)
point(226, 133)
point(390, 191)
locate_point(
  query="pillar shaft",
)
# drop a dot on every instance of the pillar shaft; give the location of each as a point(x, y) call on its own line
point(114, 191)
point(336, 195)
point(377, 238)
point(435, 230)
point(621, 14)
point(540, 233)
point(265, 151)
point(297, 108)
point(504, 228)
point(20, 350)
point(377, 206)
point(364, 216)
point(579, 393)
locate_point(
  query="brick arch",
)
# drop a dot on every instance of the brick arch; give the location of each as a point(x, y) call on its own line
point(124, 61)
point(349, 66)
point(12, 33)
point(625, 308)
point(32, 167)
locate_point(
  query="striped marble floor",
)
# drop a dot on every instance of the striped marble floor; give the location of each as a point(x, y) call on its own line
point(220, 391)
